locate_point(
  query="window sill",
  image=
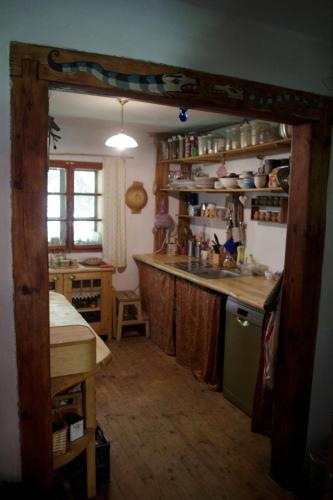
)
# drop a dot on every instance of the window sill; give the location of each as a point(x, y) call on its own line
point(81, 248)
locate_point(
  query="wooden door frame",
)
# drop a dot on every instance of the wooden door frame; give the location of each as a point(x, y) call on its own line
point(35, 69)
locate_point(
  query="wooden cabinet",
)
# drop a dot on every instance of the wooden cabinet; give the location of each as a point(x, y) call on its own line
point(89, 291)
point(56, 282)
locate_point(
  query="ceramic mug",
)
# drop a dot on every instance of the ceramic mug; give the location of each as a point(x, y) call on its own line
point(204, 254)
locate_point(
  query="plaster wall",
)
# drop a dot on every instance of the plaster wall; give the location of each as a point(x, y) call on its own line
point(211, 36)
point(89, 137)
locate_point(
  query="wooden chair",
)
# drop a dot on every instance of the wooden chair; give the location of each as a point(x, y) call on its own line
point(127, 305)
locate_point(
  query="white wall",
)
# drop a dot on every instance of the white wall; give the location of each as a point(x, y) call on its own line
point(177, 33)
point(88, 136)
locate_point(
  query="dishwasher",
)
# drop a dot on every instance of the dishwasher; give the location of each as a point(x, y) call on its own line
point(243, 327)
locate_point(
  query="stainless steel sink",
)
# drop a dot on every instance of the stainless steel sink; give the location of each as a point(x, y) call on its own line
point(203, 270)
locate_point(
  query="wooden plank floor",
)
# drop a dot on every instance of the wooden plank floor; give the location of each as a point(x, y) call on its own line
point(172, 438)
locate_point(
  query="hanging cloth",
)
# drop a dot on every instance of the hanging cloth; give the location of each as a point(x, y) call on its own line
point(263, 397)
point(114, 220)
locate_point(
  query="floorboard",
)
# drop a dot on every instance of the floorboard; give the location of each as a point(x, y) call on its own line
point(171, 437)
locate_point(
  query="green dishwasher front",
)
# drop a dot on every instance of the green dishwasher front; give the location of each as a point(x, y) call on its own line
point(241, 353)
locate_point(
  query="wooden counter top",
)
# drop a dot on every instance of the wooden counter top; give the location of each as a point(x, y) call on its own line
point(249, 290)
point(79, 268)
point(74, 346)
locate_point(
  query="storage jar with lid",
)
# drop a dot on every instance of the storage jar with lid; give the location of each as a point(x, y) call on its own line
point(227, 139)
point(201, 145)
point(235, 137)
point(245, 134)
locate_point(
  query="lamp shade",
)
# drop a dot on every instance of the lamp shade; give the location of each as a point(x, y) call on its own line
point(121, 141)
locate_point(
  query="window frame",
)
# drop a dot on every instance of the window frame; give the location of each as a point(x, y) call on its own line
point(70, 167)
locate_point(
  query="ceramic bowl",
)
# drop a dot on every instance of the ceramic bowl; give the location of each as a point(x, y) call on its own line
point(260, 181)
point(229, 182)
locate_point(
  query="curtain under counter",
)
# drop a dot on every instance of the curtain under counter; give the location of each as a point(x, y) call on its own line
point(199, 339)
point(157, 290)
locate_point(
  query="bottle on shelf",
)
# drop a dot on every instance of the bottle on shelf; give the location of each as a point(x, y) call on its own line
point(187, 144)
point(193, 145)
point(180, 151)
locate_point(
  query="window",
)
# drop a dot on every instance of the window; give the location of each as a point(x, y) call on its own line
point(74, 205)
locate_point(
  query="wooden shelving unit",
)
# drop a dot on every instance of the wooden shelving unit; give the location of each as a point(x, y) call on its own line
point(163, 190)
point(236, 190)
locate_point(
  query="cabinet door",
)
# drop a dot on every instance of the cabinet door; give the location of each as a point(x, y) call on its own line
point(90, 294)
point(56, 282)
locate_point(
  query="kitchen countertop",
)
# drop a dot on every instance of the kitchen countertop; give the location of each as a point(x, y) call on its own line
point(250, 290)
point(79, 268)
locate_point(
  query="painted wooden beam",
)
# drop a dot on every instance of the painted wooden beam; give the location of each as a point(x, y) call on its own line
point(112, 75)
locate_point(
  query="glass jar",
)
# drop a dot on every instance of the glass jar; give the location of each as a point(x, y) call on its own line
point(201, 145)
point(210, 144)
point(174, 150)
point(219, 144)
point(193, 145)
point(245, 134)
point(235, 137)
point(227, 139)
point(180, 151)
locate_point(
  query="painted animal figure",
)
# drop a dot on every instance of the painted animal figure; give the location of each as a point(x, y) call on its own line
point(153, 84)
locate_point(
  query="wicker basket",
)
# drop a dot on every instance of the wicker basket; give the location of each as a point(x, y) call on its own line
point(59, 435)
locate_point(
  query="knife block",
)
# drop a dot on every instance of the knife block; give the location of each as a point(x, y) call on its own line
point(216, 259)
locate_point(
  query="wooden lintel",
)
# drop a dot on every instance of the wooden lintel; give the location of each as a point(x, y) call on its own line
point(180, 86)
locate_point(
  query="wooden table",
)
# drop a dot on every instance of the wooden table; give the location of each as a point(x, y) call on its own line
point(76, 354)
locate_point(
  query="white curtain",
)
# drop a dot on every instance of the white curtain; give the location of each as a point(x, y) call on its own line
point(114, 226)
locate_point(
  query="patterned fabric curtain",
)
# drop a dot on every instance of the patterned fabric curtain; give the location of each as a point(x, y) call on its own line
point(198, 341)
point(114, 223)
point(157, 296)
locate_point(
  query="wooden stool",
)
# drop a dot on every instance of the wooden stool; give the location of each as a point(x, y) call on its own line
point(126, 302)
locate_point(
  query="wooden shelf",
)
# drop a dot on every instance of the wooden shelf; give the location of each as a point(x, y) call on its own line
point(274, 223)
point(199, 217)
point(87, 309)
point(259, 150)
point(75, 448)
point(236, 190)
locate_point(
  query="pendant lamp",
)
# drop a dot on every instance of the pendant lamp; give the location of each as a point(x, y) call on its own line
point(121, 141)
